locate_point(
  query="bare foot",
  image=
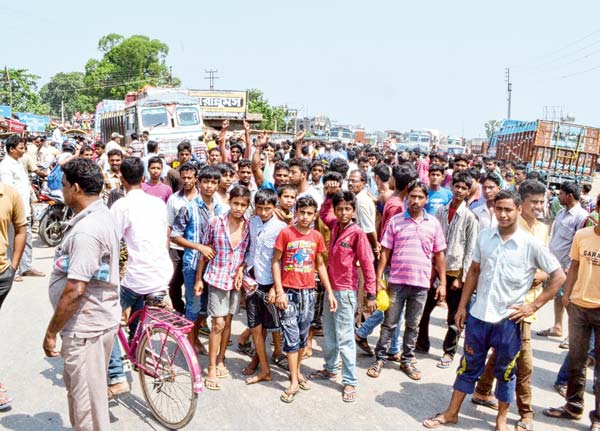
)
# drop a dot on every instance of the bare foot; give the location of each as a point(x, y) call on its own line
point(262, 377)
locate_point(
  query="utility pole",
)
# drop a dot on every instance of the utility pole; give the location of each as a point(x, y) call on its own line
point(9, 82)
point(509, 89)
point(170, 75)
point(211, 77)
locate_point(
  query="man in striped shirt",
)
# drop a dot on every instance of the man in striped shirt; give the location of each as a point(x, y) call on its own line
point(409, 243)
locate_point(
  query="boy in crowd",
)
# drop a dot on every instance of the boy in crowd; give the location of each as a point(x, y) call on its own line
point(187, 231)
point(229, 235)
point(227, 177)
point(262, 316)
point(438, 196)
point(409, 243)
point(287, 198)
point(298, 252)
point(153, 186)
point(349, 245)
point(460, 229)
point(484, 211)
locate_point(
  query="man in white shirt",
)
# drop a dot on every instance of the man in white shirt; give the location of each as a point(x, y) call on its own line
point(505, 261)
point(152, 147)
point(141, 221)
point(115, 143)
point(13, 174)
point(57, 137)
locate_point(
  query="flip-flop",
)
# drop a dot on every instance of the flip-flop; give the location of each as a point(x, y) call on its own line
point(363, 344)
point(222, 373)
point(560, 413)
point(282, 362)
point(212, 385)
point(321, 375)
point(435, 422)
point(550, 332)
point(246, 348)
point(375, 369)
point(492, 404)
point(304, 385)
point(289, 397)
point(444, 363)
point(524, 426)
point(5, 402)
point(348, 396)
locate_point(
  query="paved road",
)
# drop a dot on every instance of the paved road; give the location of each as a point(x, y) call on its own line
point(393, 400)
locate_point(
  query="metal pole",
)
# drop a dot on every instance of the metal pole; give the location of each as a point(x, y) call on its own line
point(62, 111)
point(509, 99)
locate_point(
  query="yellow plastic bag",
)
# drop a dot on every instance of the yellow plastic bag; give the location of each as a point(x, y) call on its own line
point(383, 300)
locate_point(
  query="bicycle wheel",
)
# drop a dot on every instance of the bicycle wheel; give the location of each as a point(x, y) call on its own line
point(168, 385)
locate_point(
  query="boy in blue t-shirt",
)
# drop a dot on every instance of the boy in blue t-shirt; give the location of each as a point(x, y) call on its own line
point(438, 196)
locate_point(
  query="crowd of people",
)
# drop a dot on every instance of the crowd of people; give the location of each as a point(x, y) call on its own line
point(312, 239)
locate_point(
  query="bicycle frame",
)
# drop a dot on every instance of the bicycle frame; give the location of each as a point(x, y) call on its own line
point(153, 317)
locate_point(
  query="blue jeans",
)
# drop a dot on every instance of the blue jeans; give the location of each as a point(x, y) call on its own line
point(405, 299)
point(480, 336)
point(195, 306)
point(372, 322)
point(128, 298)
point(338, 330)
point(563, 374)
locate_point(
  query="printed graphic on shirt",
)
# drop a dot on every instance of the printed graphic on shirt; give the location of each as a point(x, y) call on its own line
point(61, 263)
point(298, 256)
point(592, 257)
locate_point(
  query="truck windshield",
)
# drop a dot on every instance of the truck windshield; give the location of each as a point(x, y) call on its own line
point(187, 116)
point(154, 117)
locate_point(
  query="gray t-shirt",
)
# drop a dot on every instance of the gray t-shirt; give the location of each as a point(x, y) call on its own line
point(90, 253)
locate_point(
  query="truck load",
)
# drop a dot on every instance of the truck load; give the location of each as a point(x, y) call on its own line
point(560, 151)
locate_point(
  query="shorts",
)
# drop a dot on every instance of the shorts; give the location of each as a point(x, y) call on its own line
point(222, 302)
point(259, 312)
point(295, 319)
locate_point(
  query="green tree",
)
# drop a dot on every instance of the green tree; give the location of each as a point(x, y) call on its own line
point(490, 126)
point(23, 87)
point(127, 65)
point(274, 117)
point(67, 88)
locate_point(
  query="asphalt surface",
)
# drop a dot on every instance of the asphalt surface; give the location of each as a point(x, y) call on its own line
point(391, 401)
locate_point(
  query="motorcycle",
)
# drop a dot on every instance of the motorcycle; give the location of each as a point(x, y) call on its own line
point(53, 218)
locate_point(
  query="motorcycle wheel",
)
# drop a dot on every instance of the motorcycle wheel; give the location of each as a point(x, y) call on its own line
point(51, 230)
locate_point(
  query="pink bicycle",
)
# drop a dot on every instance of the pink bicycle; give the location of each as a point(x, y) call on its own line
point(170, 375)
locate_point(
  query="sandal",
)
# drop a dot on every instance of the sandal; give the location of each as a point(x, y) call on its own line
point(411, 371)
point(491, 404)
point(524, 426)
point(212, 384)
point(246, 348)
point(561, 389)
point(561, 413)
point(436, 421)
point(445, 362)
point(349, 396)
point(304, 385)
point(289, 397)
point(363, 344)
point(5, 401)
point(282, 362)
point(375, 369)
point(321, 375)
point(550, 332)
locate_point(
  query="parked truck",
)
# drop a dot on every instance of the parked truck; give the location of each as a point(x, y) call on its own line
point(560, 151)
point(170, 115)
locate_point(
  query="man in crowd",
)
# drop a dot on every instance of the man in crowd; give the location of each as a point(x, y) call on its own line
point(152, 147)
point(84, 292)
point(141, 221)
point(112, 177)
point(409, 244)
point(115, 143)
point(505, 261)
point(12, 217)
point(13, 174)
point(438, 196)
point(460, 229)
point(299, 168)
point(568, 221)
point(153, 185)
point(188, 176)
point(485, 213)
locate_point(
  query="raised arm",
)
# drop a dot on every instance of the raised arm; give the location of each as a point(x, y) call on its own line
point(259, 176)
point(299, 141)
point(248, 149)
point(222, 140)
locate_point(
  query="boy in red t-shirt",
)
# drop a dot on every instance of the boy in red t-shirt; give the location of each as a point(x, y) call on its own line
point(298, 252)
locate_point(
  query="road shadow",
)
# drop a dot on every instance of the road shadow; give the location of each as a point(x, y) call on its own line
point(54, 372)
point(44, 421)
point(136, 405)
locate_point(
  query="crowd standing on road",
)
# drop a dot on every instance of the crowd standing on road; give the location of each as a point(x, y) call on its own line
point(312, 239)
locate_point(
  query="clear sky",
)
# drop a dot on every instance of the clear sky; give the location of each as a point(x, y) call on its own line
point(383, 64)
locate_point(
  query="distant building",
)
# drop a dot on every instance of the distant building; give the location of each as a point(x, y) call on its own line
point(320, 125)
